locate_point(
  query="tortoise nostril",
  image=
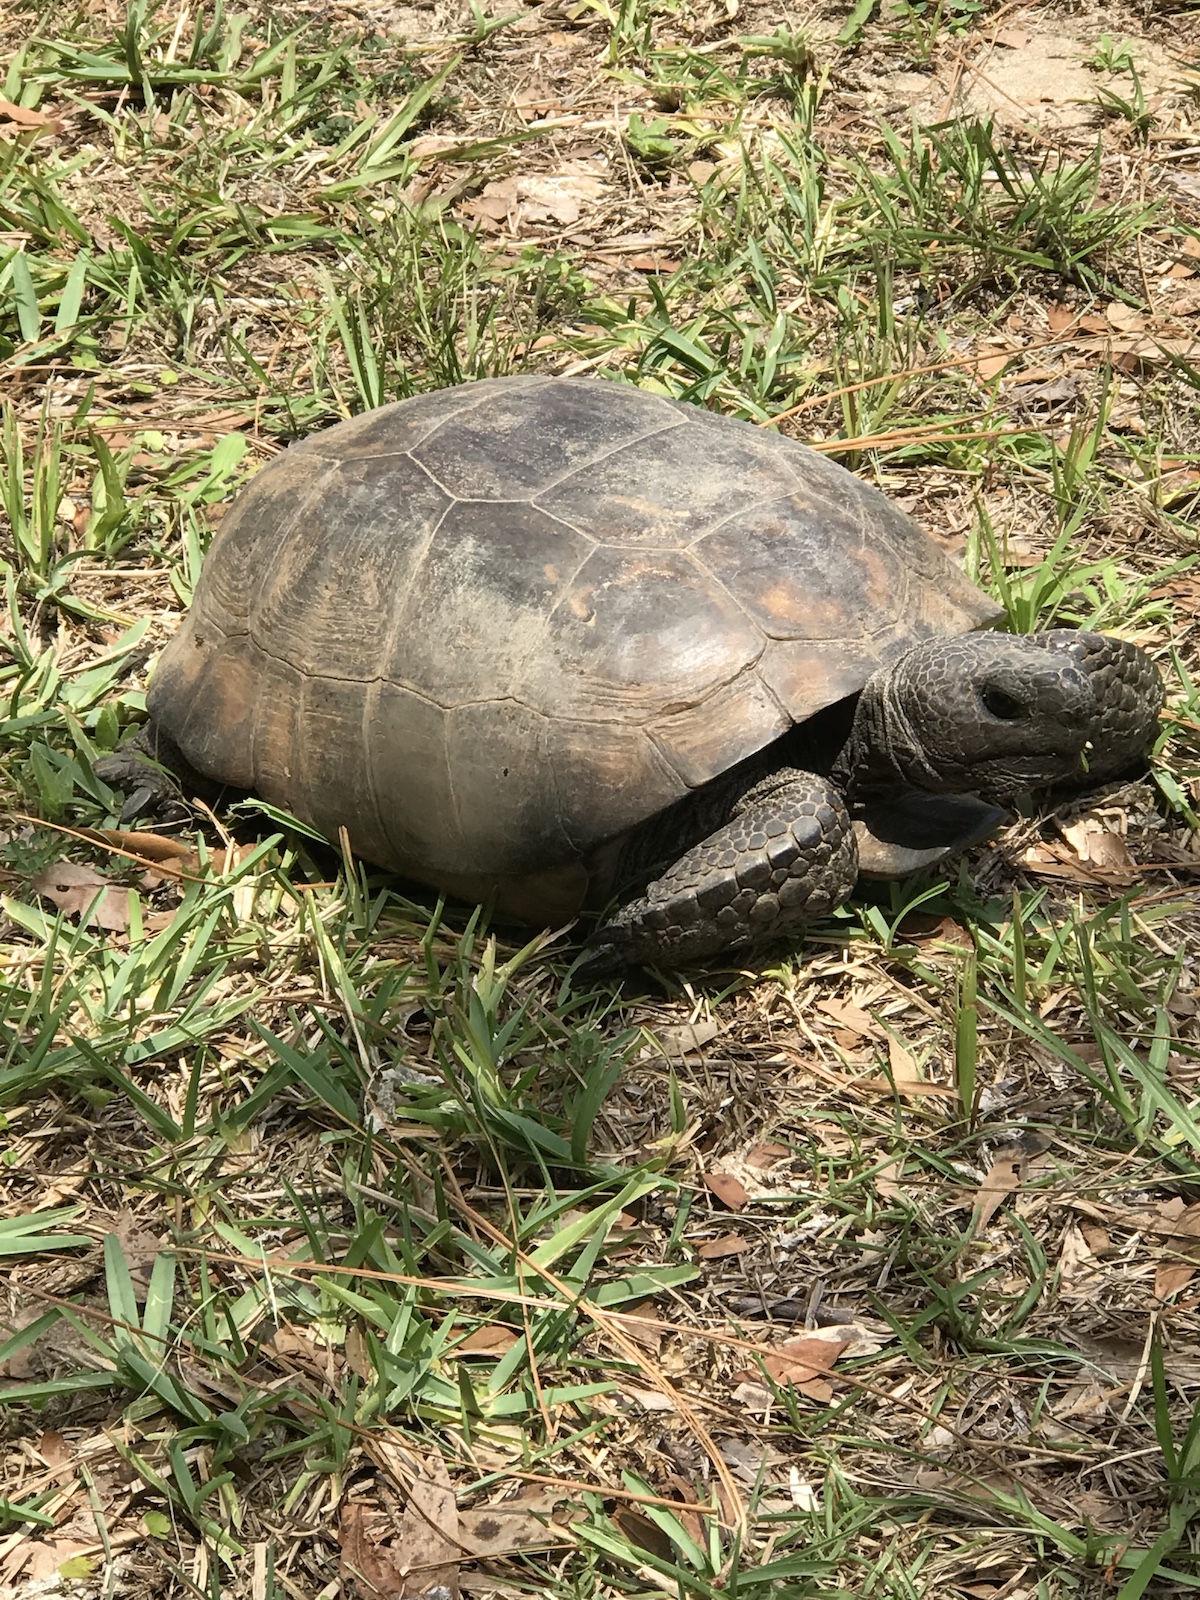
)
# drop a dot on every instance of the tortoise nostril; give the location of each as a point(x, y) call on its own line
point(1003, 706)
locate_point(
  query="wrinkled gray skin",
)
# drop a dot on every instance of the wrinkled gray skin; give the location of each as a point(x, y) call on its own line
point(993, 715)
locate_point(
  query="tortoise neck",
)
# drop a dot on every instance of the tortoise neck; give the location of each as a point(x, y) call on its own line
point(883, 748)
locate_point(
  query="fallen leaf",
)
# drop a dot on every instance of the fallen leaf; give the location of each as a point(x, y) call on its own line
point(158, 847)
point(847, 1015)
point(54, 1449)
point(374, 1568)
point(1075, 1260)
point(767, 1155)
point(429, 1532)
point(992, 366)
point(652, 264)
point(1183, 300)
point(888, 1178)
point(358, 1355)
point(642, 1533)
point(688, 1038)
point(641, 1323)
point(493, 1339)
point(517, 202)
point(800, 1363)
point(906, 1088)
point(998, 1183)
point(500, 1530)
point(23, 117)
point(1124, 318)
point(1184, 1239)
point(1060, 318)
point(81, 891)
point(1097, 846)
point(904, 1065)
point(728, 1190)
point(729, 1244)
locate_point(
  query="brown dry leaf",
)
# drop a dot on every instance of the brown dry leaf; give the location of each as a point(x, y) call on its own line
point(888, 1178)
point(1050, 858)
point(641, 1323)
point(728, 1190)
point(54, 1449)
point(1124, 318)
point(1183, 300)
point(763, 1156)
point(1075, 1260)
point(689, 1038)
point(1003, 1179)
point(40, 1560)
point(23, 117)
point(1097, 1238)
point(847, 1015)
point(298, 1350)
point(1184, 1239)
point(1097, 845)
point(683, 1490)
point(1060, 318)
point(652, 264)
point(80, 890)
point(992, 366)
point(500, 1530)
point(358, 1356)
point(373, 1568)
point(905, 1066)
point(642, 1533)
point(729, 1244)
point(907, 1088)
point(429, 1532)
point(518, 201)
point(150, 846)
point(493, 1339)
point(800, 1363)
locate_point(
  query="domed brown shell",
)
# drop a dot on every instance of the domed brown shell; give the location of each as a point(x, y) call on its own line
point(488, 629)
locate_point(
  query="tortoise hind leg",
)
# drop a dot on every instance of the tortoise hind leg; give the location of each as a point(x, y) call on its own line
point(786, 856)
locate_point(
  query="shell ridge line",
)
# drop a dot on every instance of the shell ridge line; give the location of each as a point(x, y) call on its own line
point(655, 738)
point(612, 450)
point(732, 516)
point(720, 584)
point(311, 442)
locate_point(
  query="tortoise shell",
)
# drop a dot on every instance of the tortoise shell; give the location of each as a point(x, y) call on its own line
point(488, 629)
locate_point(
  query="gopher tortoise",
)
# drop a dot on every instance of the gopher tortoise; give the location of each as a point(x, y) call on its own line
point(543, 641)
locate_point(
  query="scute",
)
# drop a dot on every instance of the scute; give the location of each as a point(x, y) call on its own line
point(491, 629)
point(478, 601)
point(638, 633)
point(526, 438)
point(664, 491)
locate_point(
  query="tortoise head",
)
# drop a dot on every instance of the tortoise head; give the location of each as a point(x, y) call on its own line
point(989, 714)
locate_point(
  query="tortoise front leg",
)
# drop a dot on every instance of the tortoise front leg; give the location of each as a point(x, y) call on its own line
point(152, 772)
point(785, 857)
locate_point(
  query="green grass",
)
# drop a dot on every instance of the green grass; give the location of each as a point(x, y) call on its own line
point(306, 1182)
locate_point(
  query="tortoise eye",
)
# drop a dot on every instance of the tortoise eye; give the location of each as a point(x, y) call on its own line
point(1002, 706)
